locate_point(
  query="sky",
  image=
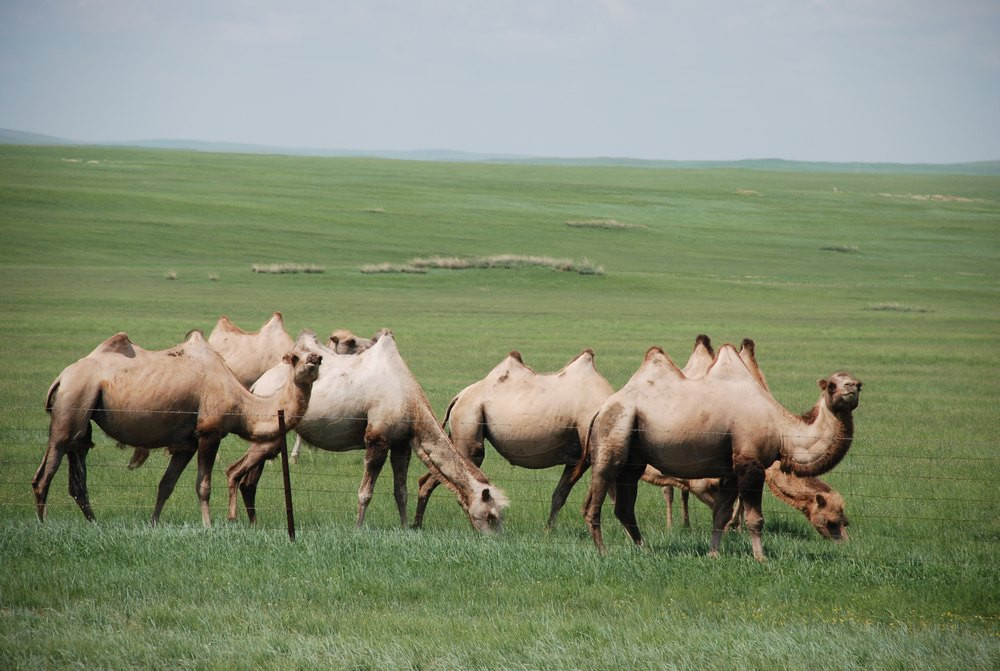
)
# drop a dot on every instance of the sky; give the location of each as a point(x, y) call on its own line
point(909, 81)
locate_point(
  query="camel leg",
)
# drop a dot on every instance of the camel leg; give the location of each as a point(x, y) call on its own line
point(427, 484)
point(668, 499)
point(722, 513)
point(750, 478)
point(248, 488)
point(296, 448)
point(399, 459)
point(208, 447)
point(627, 488)
point(376, 452)
point(43, 477)
point(78, 481)
point(561, 493)
point(685, 497)
point(178, 462)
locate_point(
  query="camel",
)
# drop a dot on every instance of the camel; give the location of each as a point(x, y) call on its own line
point(341, 341)
point(822, 505)
point(371, 401)
point(184, 398)
point(248, 355)
point(533, 420)
point(723, 425)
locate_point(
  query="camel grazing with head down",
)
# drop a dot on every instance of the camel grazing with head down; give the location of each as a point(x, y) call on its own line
point(371, 401)
point(184, 398)
point(822, 505)
point(533, 420)
point(723, 425)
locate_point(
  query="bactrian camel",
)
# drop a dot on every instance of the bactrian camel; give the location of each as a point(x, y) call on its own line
point(341, 341)
point(822, 505)
point(723, 425)
point(184, 398)
point(371, 401)
point(533, 420)
point(248, 354)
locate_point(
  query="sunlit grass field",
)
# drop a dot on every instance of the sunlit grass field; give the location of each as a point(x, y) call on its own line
point(895, 279)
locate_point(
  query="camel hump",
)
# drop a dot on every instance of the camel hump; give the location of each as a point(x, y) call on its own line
point(728, 364)
point(190, 334)
point(704, 341)
point(276, 320)
point(749, 346)
point(119, 343)
point(514, 354)
point(654, 351)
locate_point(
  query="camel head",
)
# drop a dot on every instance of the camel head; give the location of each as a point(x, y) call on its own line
point(343, 341)
point(305, 366)
point(486, 508)
point(826, 513)
point(842, 392)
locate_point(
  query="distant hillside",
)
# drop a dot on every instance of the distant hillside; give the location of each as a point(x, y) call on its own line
point(990, 168)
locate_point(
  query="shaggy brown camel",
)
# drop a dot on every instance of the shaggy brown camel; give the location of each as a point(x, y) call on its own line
point(248, 355)
point(723, 425)
point(371, 401)
point(533, 420)
point(184, 398)
point(821, 504)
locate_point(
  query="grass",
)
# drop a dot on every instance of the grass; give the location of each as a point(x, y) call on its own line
point(86, 246)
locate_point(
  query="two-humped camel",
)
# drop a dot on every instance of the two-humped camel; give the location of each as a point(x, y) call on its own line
point(533, 420)
point(822, 505)
point(184, 398)
point(371, 401)
point(341, 341)
point(247, 353)
point(723, 425)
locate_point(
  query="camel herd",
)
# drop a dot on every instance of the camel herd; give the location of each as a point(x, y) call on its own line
point(711, 428)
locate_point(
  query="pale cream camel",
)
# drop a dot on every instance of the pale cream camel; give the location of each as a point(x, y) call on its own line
point(248, 355)
point(184, 398)
point(533, 420)
point(371, 401)
point(723, 425)
point(341, 341)
point(822, 505)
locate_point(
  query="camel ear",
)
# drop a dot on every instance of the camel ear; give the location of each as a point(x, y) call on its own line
point(486, 496)
point(291, 358)
point(820, 500)
point(822, 383)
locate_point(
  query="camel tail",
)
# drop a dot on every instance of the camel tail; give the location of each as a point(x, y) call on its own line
point(447, 413)
point(584, 462)
point(50, 397)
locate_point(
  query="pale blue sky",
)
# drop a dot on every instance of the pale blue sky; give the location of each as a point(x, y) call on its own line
point(825, 80)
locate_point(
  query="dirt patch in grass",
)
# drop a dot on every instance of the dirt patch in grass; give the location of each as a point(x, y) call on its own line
point(610, 224)
point(286, 268)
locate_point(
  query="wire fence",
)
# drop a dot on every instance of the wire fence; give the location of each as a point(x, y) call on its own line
point(919, 487)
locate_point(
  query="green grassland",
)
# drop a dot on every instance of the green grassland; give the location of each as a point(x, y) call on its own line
point(894, 278)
